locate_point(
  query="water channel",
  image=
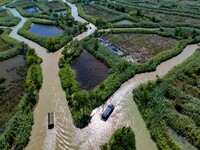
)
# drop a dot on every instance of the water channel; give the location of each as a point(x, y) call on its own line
point(52, 98)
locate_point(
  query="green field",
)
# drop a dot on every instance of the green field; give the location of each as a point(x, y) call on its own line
point(4, 46)
point(174, 101)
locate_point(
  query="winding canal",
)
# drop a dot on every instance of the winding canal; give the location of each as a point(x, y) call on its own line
point(52, 98)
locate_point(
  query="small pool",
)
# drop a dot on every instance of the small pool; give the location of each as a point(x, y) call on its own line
point(45, 30)
point(125, 21)
point(61, 13)
point(32, 9)
point(89, 70)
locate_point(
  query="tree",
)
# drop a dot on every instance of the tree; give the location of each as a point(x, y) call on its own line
point(51, 42)
point(50, 10)
point(82, 100)
point(96, 44)
point(122, 139)
point(177, 31)
point(139, 13)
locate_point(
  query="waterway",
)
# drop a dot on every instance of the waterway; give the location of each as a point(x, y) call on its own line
point(52, 98)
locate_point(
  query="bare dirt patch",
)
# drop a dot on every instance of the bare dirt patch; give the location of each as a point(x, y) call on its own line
point(97, 13)
point(141, 47)
point(54, 5)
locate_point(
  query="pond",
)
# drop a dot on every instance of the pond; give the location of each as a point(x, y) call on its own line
point(45, 30)
point(9, 68)
point(61, 13)
point(32, 9)
point(125, 21)
point(89, 71)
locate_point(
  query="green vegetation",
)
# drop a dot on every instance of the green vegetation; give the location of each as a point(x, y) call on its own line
point(174, 101)
point(8, 19)
point(17, 131)
point(47, 10)
point(9, 46)
point(120, 71)
point(4, 46)
point(122, 139)
point(70, 27)
point(143, 13)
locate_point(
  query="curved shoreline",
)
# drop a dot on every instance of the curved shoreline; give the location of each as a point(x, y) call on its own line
point(52, 98)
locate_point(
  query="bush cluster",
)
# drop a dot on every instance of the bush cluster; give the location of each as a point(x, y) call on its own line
point(17, 132)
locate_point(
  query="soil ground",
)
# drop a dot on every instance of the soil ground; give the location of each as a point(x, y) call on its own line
point(141, 46)
point(54, 5)
point(97, 13)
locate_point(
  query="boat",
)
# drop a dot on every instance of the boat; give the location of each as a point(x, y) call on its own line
point(106, 114)
point(50, 120)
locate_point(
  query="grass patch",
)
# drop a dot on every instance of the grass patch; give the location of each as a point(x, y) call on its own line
point(7, 18)
point(166, 100)
point(122, 139)
point(175, 18)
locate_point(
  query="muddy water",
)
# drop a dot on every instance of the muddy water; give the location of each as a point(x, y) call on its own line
point(8, 69)
point(89, 71)
point(45, 30)
point(52, 98)
point(126, 112)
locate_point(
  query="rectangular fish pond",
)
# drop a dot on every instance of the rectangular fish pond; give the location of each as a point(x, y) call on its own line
point(32, 9)
point(89, 71)
point(45, 30)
